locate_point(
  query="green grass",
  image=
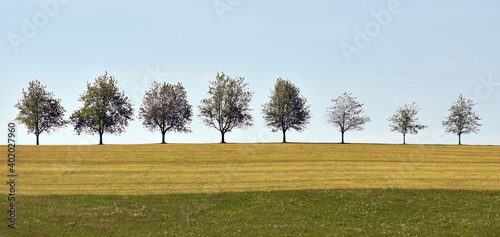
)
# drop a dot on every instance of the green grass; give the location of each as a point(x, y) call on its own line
point(256, 189)
point(359, 212)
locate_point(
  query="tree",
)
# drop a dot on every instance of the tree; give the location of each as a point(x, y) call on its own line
point(405, 120)
point(227, 105)
point(39, 111)
point(165, 108)
point(286, 108)
point(105, 109)
point(462, 119)
point(346, 114)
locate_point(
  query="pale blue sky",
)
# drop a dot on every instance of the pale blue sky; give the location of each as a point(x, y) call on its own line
point(428, 52)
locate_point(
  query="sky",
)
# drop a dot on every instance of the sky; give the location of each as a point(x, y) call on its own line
point(387, 53)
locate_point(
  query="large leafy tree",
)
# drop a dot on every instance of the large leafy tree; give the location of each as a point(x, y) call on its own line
point(105, 109)
point(286, 108)
point(165, 107)
point(39, 111)
point(346, 114)
point(227, 105)
point(405, 120)
point(462, 119)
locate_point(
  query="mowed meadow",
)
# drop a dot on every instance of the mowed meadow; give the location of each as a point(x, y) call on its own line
point(256, 190)
point(208, 168)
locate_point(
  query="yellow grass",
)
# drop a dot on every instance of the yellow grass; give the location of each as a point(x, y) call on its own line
point(195, 168)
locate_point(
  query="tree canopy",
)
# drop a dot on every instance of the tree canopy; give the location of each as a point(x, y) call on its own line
point(227, 105)
point(39, 111)
point(105, 109)
point(462, 119)
point(405, 120)
point(286, 108)
point(165, 108)
point(346, 114)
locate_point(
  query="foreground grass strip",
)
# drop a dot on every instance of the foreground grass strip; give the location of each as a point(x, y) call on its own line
point(212, 168)
point(362, 212)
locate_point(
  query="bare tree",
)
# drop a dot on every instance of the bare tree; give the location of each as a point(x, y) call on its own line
point(227, 105)
point(286, 108)
point(165, 108)
point(462, 119)
point(405, 120)
point(39, 111)
point(105, 109)
point(346, 114)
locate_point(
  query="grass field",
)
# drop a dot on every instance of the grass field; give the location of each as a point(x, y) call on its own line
point(357, 212)
point(262, 189)
point(188, 168)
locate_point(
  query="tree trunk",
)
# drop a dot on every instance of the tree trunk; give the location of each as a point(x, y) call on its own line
point(459, 139)
point(100, 138)
point(163, 138)
point(404, 138)
point(284, 136)
point(37, 133)
point(343, 137)
point(222, 141)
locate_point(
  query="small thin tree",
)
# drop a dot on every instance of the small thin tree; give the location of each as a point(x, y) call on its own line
point(226, 107)
point(462, 119)
point(346, 114)
point(405, 120)
point(286, 108)
point(165, 107)
point(39, 111)
point(105, 109)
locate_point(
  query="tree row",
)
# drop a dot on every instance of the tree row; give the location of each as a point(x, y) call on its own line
point(165, 108)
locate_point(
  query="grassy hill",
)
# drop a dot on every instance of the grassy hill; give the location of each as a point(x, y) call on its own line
point(256, 189)
point(207, 168)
